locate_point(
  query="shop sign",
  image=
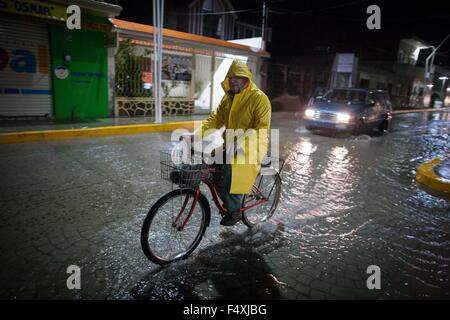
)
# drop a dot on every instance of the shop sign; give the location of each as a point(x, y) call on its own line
point(34, 8)
point(147, 77)
point(22, 60)
point(61, 72)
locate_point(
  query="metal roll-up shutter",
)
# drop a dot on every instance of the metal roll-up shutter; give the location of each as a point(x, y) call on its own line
point(25, 85)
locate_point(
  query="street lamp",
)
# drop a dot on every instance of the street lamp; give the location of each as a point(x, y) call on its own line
point(428, 68)
point(430, 59)
point(443, 79)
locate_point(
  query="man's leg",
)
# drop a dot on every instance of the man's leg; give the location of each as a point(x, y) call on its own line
point(232, 202)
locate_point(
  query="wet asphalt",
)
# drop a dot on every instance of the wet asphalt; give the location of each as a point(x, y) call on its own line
point(347, 203)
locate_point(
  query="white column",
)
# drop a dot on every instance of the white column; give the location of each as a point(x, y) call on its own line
point(158, 23)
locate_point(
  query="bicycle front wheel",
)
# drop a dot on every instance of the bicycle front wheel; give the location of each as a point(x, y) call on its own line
point(164, 239)
point(267, 186)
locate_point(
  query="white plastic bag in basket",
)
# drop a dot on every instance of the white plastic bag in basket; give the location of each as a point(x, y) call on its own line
point(180, 153)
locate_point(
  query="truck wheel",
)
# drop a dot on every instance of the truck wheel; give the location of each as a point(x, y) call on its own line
point(383, 126)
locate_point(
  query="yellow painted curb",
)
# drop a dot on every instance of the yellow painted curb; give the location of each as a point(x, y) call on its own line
point(430, 181)
point(443, 109)
point(45, 135)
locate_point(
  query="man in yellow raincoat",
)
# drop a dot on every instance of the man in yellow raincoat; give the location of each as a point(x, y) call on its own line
point(244, 106)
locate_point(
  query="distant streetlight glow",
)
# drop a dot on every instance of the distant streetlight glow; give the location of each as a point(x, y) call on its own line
point(444, 78)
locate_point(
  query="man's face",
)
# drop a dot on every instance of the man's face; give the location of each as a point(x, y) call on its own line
point(237, 84)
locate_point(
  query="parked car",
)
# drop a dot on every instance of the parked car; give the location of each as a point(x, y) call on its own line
point(350, 110)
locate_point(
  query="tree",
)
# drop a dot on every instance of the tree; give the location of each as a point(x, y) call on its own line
point(129, 81)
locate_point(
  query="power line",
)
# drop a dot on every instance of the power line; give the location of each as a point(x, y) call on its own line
point(217, 13)
point(320, 9)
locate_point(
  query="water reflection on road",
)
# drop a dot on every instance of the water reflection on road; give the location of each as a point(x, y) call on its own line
point(347, 203)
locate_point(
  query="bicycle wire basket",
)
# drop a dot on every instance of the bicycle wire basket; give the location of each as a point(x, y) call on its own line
point(183, 173)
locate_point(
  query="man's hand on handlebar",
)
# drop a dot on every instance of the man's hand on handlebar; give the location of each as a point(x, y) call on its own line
point(188, 137)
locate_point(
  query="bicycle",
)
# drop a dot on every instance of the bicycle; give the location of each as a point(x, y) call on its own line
point(185, 212)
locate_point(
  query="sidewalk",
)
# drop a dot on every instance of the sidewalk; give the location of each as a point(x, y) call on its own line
point(12, 131)
point(48, 124)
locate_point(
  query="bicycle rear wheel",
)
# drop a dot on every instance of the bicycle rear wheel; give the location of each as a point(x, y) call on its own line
point(162, 238)
point(270, 187)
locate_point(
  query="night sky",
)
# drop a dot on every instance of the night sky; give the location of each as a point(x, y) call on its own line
point(303, 27)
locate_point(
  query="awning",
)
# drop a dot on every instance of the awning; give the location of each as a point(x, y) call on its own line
point(145, 32)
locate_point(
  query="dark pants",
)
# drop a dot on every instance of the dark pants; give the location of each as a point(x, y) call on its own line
point(232, 202)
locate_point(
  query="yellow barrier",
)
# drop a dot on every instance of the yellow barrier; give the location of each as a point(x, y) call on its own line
point(46, 135)
point(428, 180)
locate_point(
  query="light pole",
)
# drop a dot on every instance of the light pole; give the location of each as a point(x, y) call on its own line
point(428, 62)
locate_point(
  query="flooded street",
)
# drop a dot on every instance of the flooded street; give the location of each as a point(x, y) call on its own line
point(347, 203)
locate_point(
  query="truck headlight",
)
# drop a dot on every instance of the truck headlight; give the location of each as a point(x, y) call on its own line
point(309, 113)
point(343, 117)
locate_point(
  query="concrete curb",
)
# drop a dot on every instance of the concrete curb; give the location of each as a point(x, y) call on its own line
point(46, 135)
point(428, 180)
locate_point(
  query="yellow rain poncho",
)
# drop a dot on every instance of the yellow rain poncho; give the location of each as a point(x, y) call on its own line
point(250, 109)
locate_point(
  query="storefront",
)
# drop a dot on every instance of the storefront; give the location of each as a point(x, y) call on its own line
point(25, 75)
point(79, 60)
point(193, 69)
point(47, 70)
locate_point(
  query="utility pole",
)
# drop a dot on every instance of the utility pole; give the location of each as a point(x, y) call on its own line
point(158, 24)
point(263, 33)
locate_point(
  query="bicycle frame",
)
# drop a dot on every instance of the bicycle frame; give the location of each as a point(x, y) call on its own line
point(219, 205)
point(217, 202)
point(256, 193)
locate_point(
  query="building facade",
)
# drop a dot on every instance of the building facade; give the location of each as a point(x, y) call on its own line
point(193, 69)
point(47, 70)
point(401, 74)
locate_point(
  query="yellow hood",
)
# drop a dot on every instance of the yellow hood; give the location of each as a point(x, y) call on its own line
point(237, 69)
point(250, 111)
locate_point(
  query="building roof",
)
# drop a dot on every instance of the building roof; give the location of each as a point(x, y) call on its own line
point(97, 7)
point(146, 31)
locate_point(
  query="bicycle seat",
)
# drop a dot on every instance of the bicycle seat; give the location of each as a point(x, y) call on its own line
point(266, 162)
